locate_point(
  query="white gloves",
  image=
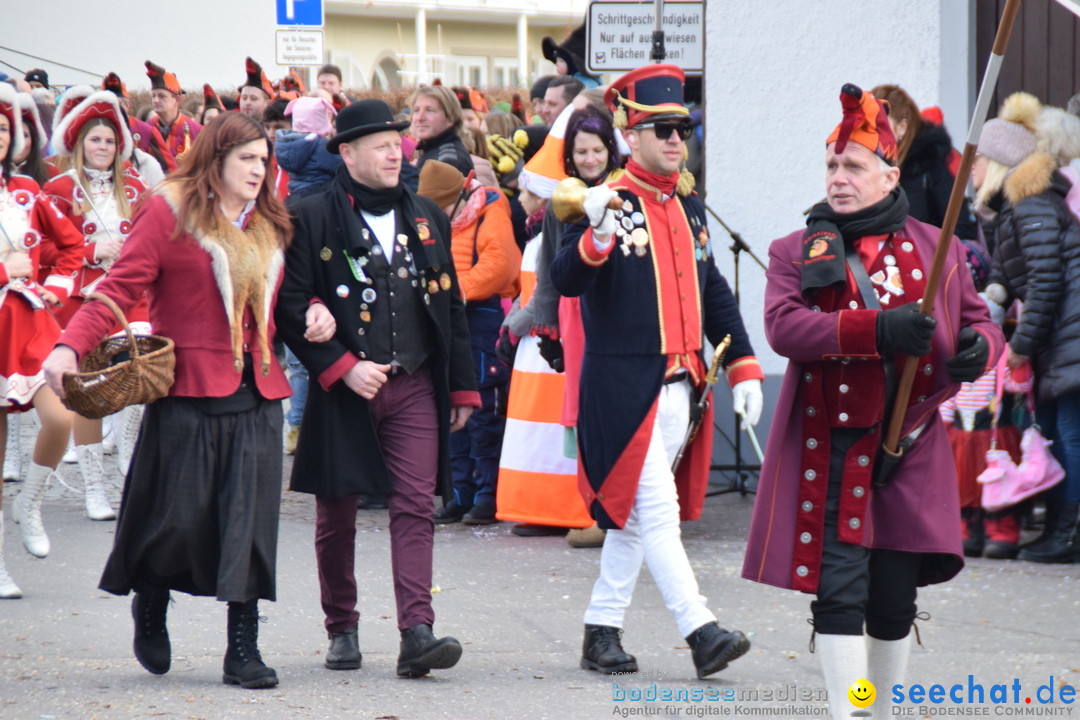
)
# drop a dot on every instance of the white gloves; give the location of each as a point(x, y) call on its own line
point(596, 207)
point(748, 401)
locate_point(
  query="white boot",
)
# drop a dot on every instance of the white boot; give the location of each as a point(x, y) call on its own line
point(128, 424)
point(843, 661)
point(8, 588)
point(93, 475)
point(70, 456)
point(108, 436)
point(13, 453)
point(26, 510)
point(887, 660)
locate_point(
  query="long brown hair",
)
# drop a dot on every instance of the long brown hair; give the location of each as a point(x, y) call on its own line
point(901, 107)
point(79, 163)
point(198, 182)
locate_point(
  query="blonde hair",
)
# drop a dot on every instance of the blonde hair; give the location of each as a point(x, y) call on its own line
point(78, 162)
point(992, 183)
point(446, 99)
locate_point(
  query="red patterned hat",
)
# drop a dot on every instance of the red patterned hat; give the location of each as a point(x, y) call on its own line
point(161, 80)
point(866, 123)
point(111, 82)
point(256, 78)
point(32, 118)
point(101, 104)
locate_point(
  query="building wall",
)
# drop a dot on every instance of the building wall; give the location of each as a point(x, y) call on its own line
point(773, 77)
point(366, 41)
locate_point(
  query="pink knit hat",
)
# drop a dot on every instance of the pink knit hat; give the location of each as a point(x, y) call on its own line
point(310, 115)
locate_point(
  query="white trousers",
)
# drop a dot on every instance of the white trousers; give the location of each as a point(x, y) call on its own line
point(652, 532)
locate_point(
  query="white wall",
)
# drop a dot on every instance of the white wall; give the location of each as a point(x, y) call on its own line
point(773, 76)
point(200, 41)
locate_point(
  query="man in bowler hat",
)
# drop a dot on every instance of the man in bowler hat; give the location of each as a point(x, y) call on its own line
point(388, 388)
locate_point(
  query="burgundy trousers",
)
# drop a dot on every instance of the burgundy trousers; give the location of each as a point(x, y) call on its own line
point(406, 422)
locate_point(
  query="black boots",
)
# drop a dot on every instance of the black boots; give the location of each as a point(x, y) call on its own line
point(344, 652)
point(714, 647)
point(243, 665)
point(1061, 540)
point(422, 652)
point(152, 647)
point(602, 651)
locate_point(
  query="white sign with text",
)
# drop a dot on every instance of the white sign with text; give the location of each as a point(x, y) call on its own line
point(620, 35)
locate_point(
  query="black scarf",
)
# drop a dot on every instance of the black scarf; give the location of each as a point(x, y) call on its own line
point(371, 200)
point(828, 233)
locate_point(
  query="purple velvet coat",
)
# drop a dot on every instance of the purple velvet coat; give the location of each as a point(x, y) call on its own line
point(919, 511)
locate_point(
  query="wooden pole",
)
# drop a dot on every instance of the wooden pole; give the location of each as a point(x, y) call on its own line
point(989, 83)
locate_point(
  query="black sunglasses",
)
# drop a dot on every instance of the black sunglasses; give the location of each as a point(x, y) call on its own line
point(663, 130)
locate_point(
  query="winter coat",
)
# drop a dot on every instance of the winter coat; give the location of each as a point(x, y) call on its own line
point(486, 257)
point(927, 181)
point(448, 148)
point(1037, 259)
point(305, 157)
point(339, 452)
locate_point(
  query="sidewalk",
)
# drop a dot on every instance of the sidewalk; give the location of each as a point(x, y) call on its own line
point(516, 605)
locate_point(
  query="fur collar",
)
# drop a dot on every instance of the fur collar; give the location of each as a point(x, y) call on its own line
point(1031, 177)
point(247, 265)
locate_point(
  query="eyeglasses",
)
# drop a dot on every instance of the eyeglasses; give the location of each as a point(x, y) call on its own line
point(663, 130)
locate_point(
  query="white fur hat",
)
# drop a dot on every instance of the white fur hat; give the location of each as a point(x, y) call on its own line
point(9, 108)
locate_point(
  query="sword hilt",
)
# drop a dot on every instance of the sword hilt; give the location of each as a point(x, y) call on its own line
point(717, 359)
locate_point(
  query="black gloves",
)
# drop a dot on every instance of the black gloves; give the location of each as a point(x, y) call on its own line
point(551, 350)
point(505, 347)
point(906, 330)
point(969, 363)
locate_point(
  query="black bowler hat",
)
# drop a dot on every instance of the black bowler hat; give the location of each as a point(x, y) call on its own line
point(363, 118)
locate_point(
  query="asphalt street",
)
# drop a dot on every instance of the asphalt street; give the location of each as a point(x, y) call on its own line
point(516, 605)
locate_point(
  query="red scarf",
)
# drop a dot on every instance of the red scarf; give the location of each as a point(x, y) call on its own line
point(663, 183)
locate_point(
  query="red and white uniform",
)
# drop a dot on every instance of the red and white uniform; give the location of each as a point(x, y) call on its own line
point(98, 223)
point(30, 223)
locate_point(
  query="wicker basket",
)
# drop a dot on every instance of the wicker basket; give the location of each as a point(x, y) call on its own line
point(103, 386)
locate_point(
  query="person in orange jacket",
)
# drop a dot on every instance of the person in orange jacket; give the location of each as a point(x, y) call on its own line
point(487, 260)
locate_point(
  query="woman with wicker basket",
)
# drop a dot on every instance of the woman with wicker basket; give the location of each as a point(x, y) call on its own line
point(97, 194)
point(29, 224)
point(200, 503)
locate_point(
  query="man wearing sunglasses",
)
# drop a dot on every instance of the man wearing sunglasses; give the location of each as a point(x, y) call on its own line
point(651, 295)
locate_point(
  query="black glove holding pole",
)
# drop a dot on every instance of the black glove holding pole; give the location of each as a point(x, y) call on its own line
point(969, 363)
point(905, 330)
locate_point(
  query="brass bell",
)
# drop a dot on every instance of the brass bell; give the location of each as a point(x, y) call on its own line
point(568, 200)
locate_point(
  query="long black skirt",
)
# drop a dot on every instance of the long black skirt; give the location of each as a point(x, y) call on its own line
point(201, 502)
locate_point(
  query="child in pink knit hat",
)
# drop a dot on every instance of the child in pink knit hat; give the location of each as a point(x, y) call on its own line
point(301, 151)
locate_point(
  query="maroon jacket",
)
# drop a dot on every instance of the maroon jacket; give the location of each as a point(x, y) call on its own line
point(186, 305)
point(834, 376)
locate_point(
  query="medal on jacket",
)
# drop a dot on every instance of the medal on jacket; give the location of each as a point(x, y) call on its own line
point(343, 291)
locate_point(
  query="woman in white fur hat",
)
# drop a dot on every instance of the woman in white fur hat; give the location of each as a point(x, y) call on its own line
point(97, 194)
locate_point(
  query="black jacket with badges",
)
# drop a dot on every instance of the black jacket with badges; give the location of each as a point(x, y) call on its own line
point(338, 452)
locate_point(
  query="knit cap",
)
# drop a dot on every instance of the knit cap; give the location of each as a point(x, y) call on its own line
point(1010, 137)
point(440, 182)
point(309, 115)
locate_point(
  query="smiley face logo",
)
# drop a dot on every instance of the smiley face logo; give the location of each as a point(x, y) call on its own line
point(862, 693)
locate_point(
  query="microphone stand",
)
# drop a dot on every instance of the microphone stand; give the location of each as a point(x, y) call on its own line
point(741, 469)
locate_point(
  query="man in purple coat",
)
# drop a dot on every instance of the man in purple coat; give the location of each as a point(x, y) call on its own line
point(840, 304)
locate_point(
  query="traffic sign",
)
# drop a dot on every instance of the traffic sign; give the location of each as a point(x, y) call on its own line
point(620, 35)
point(299, 47)
point(300, 13)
